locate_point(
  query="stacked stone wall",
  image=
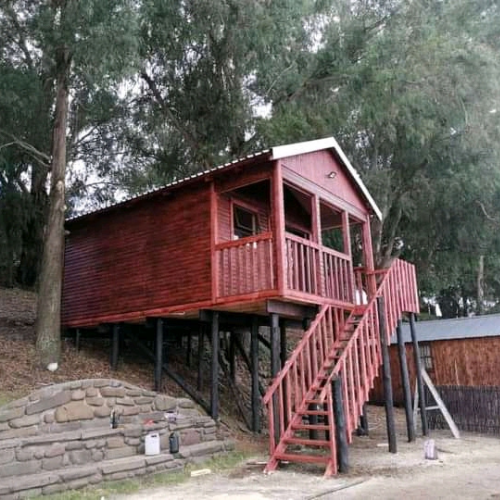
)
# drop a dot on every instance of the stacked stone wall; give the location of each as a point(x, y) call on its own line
point(61, 437)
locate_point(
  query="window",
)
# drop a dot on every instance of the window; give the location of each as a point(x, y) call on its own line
point(425, 355)
point(244, 222)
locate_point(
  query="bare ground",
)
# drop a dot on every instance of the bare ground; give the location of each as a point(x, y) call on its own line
point(468, 468)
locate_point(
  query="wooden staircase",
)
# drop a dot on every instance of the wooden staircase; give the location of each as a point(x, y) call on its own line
point(339, 343)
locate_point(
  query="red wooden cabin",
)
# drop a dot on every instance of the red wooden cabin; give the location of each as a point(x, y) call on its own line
point(284, 233)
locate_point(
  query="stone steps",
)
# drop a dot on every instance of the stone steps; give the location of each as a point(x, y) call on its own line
point(75, 477)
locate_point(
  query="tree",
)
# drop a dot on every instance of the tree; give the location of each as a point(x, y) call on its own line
point(81, 43)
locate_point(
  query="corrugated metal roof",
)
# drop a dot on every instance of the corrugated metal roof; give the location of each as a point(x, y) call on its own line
point(275, 153)
point(450, 329)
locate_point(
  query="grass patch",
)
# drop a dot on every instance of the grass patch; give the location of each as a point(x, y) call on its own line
point(107, 489)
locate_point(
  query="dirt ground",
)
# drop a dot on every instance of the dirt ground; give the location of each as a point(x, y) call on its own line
point(468, 468)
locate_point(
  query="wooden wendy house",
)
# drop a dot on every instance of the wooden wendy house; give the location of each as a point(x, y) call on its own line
point(280, 236)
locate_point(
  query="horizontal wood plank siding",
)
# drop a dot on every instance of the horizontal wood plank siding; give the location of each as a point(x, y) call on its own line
point(150, 256)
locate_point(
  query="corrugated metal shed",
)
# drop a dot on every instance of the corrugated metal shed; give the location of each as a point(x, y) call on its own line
point(452, 329)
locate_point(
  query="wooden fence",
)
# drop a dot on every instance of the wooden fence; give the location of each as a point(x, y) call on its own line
point(474, 409)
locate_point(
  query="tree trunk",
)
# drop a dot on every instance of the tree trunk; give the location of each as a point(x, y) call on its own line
point(48, 325)
point(480, 285)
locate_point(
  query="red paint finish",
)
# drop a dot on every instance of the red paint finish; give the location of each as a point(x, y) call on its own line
point(153, 255)
point(317, 168)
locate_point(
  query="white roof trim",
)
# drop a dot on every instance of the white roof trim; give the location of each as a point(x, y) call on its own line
point(327, 143)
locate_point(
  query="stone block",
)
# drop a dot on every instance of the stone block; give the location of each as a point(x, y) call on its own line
point(75, 445)
point(53, 463)
point(80, 457)
point(102, 411)
point(78, 472)
point(125, 451)
point(7, 456)
point(4, 426)
point(101, 382)
point(190, 437)
point(185, 403)
point(133, 441)
point(92, 392)
point(134, 432)
point(78, 484)
point(133, 392)
point(97, 455)
point(75, 410)
point(159, 459)
point(116, 383)
point(78, 395)
point(36, 481)
point(165, 403)
point(96, 478)
point(115, 442)
point(125, 401)
point(49, 418)
point(201, 449)
point(20, 468)
point(19, 433)
point(25, 454)
point(18, 403)
point(56, 428)
point(149, 394)
point(26, 421)
point(54, 401)
point(111, 402)
point(113, 392)
point(77, 384)
point(131, 410)
point(123, 465)
point(100, 433)
point(95, 401)
point(96, 423)
point(209, 430)
point(55, 450)
point(87, 383)
point(7, 415)
point(143, 400)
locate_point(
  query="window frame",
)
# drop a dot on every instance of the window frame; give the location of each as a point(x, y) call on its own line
point(245, 207)
point(426, 355)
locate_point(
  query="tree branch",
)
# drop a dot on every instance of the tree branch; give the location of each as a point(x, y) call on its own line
point(496, 222)
point(39, 156)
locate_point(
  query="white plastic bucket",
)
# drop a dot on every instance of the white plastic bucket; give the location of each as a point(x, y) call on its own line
point(152, 444)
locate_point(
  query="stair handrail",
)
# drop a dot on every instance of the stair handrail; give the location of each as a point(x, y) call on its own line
point(372, 308)
point(278, 379)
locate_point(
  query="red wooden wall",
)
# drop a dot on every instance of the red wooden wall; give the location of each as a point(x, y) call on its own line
point(135, 259)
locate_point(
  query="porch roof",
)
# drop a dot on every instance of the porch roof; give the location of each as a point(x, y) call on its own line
point(274, 153)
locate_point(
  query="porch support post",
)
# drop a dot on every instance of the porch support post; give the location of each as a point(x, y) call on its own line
point(77, 339)
point(363, 429)
point(283, 349)
point(254, 370)
point(386, 370)
point(316, 237)
point(340, 426)
point(418, 372)
point(405, 380)
point(214, 382)
point(278, 208)
point(158, 354)
point(346, 234)
point(275, 367)
point(201, 352)
point(368, 258)
point(115, 346)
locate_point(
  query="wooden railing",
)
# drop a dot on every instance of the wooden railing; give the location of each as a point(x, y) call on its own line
point(318, 270)
point(308, 373)
point(245, 266)
point(359, 362)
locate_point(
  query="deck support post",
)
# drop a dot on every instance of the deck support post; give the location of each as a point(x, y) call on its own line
point(188, 349)
point(232, 356)
point(214, 379)
point(115, 346)
point(405, 381)
point(418, 371)
point(340, 426)
point(283, 348)
point(201, 352)
point(363, 429)
point(254, 370)
point(77, 339)
point(386, 370)
point(158, 354)
point(275, 366)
